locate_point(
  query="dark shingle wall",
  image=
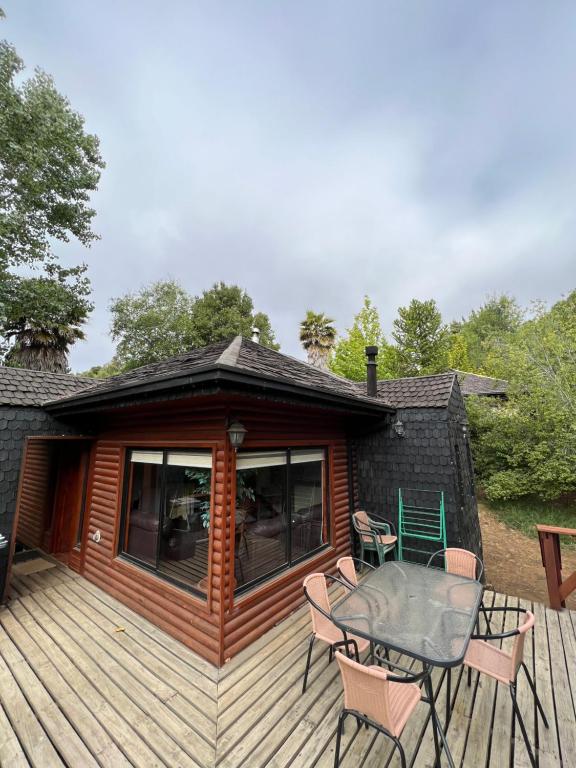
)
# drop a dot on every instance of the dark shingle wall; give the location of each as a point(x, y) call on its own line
point(424, 458)
point(15, 425)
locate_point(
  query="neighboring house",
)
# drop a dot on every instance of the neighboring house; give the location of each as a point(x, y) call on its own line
point(476, 384)
point(145, 494)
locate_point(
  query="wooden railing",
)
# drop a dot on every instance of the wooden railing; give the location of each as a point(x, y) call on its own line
point(558, 590)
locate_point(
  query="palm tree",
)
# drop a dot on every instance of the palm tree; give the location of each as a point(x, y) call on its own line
point(318, 336)
point(42, 349)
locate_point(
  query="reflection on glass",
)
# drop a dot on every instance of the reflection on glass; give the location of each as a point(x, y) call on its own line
point(168, 513)
point(144, 505)
point(261, 540)
point(306, 475)
point(280, 515)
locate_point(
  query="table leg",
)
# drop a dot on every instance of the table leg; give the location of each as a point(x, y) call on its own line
point(436, 725)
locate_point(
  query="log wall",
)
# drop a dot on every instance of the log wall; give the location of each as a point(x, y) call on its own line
point(219, 627)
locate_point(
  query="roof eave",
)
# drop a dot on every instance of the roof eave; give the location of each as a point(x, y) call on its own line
point(221, 374)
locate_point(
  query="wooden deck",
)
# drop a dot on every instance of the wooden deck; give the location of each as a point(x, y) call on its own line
point(85, 682)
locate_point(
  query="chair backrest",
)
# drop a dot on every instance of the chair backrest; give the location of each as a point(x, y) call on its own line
point(460, 562)
point(366, 690)
point(346, 568)
point(362, 525)
point(315, 586)
point(517, 656)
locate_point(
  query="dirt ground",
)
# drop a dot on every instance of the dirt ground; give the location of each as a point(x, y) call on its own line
point(513, 564)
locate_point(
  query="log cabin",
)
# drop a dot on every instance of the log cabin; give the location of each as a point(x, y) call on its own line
point(200, 490)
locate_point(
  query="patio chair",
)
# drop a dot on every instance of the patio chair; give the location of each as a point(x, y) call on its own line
point(461, 562)
point(323, 628)
point(346, 567)
point(504, 667)
point(379, 537)
point(377, 699)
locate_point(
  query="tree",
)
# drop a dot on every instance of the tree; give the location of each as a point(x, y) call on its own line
point(528, 446)
point(43, 317)
point(48, 166)
point(163, 320)
point(458, 353)
point(349, 359)
point(225, 311)
point(318, 336)
point(153, 324)
point(487, 329)
point(421, 339)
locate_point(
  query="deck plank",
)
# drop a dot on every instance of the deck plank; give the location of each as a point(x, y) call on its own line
point(75, 691)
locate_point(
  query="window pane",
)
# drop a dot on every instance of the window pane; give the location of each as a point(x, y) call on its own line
point(307, 492)
point(143, 512)
point(186, 523)
point(261, 536)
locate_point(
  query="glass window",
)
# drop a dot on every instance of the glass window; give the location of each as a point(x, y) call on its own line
point(280, 510)
point(166, 517)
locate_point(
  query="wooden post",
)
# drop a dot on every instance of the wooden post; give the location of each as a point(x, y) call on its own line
point(558, 591)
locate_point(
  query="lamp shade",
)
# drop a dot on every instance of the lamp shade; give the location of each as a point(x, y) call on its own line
point(236, 433)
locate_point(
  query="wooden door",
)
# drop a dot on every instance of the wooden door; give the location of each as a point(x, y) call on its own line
point(69, 498)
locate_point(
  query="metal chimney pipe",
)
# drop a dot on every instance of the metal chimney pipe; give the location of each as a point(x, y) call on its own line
point(371, 379)
point(256, 335)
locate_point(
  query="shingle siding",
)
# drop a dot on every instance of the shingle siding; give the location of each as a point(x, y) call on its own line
point(427, 457)
point(16, 424)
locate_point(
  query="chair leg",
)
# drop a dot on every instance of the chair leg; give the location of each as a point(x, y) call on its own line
point(522, 726)
point(469, 676)
point(310, 644)
point(330, 654)
point(402, 753)
point(448, 696)
point(338, 738)
point(533, 687)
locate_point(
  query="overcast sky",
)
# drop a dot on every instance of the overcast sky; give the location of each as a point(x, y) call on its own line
point(317, 151)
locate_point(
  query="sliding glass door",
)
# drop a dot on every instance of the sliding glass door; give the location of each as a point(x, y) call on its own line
point(280, 510)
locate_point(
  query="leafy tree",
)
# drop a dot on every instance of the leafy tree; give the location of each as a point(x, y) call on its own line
point(486, 330)
point(421, 339)
point(153, 324)
point(163, 320)
point(103, 371)
point(225, 311)
point(458, 353)
point(43, 316)
point(528, 446)
point(318, 336)
point(48, 166)
point(349, 357)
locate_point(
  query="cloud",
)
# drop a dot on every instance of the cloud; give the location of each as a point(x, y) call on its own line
point(313, 153)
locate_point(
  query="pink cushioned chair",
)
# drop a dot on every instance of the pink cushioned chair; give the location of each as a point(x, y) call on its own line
point(323, 628)
point(378, 699)
point(346, 567)
point(504, 667)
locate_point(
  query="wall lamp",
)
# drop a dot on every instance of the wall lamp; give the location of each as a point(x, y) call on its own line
point(236, 434)
point(398, 428)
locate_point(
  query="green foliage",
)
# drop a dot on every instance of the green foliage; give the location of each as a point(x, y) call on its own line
point(458, 353)
point(43, 316)
point(421, 339)
point(163, 320)
point(104, 371)
point(318, 336)
point(486, 330)
point(526, 513)
point(349, 358)
point(152, 324)
point(225, 311)
point(48, 166)
point(527, 447)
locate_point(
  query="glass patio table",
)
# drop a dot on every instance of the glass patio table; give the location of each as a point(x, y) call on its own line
point(424, 613)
